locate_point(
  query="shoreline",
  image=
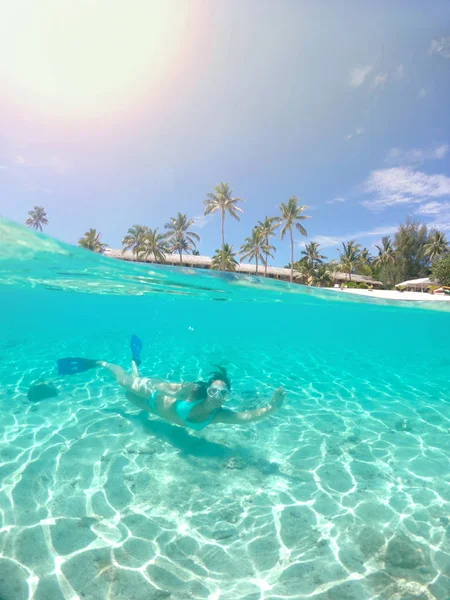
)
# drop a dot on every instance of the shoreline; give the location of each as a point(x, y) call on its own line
point(394, 295)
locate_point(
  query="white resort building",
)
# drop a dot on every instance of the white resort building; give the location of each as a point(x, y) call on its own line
point(204, 262)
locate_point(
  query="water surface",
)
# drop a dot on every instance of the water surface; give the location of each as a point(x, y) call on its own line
point(343, 494)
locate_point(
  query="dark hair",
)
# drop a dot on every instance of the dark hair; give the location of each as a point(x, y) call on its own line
point(219, 374)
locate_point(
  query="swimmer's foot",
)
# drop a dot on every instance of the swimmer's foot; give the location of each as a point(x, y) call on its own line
point(136, 349)
point(72, 366)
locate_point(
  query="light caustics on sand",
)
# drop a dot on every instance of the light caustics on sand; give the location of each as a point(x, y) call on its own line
point(345, 493)
point(87, 59)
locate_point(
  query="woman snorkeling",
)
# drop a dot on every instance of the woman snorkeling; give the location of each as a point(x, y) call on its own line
point(193, 405)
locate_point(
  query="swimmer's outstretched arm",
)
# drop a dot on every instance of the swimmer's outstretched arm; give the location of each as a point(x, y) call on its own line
point(250, 416)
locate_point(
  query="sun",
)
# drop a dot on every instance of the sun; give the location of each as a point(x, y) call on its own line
point(87, 57)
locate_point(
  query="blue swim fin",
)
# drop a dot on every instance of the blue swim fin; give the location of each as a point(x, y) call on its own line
point(71, 366)
point(136, 348)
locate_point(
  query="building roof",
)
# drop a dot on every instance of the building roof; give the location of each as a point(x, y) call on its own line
point(356, 278)
point(187, 259)
point(190, 260)
point(415, 282)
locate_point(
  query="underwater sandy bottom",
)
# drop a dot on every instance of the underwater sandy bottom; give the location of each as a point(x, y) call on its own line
point(344, 494)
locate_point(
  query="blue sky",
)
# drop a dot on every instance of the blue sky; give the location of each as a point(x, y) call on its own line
point(130, 112)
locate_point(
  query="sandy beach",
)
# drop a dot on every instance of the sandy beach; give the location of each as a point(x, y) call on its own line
point(395, 295)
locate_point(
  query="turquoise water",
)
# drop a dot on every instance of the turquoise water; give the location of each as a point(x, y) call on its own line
point(343, 494)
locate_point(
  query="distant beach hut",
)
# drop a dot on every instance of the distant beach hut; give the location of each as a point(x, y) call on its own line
point(415, 284)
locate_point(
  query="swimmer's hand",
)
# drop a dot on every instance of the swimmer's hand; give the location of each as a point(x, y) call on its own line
point(278, 398)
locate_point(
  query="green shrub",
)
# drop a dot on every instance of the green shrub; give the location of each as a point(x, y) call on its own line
point(352, 284)
point(363, 286)
point(440, 271)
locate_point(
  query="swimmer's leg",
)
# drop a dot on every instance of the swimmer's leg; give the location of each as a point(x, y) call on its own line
point(122, 377)
point(134, 369)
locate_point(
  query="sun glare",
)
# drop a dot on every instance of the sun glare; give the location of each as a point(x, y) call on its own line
point(85, 57)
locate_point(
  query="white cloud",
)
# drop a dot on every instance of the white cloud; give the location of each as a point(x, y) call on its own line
point(440, 211)
point(329, 241)
point(416, 156)
point(399, 72)
point(441, 151)
point(20, 160)
point(422, 93)
point(359, 131)
point(337, 200)
point(3, 167)
point(200, 221)
point(441, 46)
point(379, 81)
point(359, 74)
point(433, 208)
point(403, 185)
point(60, 165)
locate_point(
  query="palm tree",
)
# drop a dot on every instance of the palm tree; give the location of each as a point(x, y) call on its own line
point(350, 257)
point(134, 237)
point(268, 228)
point(255, 248)
point(152, 243)
point(366, 257)
point(92, 241)
point(437, 245)
point(195, 253)
point(222, 200)
point(291, 215)
point(225, 262)
point(312, 255)
point(386, 252)
point(179, 237)
point(321, 276)
point(37, 217)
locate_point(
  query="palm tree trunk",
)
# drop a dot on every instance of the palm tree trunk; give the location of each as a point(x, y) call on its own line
point(292, 255)
point(181, 253)
point(257, 264)
point(223, 241)
point(267, 258)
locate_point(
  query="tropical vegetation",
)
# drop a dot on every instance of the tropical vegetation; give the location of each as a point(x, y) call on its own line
point(37, 218)
point(292, 216)
point(133, 237)
point(255, 248)
point(350, 257)
point(92, 241)
point(267, 229)
point(222, 200)
point(179, 237)
point(224, 259)
point(440, 271)
point(313, 258)
point(413, 251)
point(152, 244)
point(436, 246)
